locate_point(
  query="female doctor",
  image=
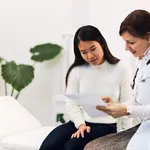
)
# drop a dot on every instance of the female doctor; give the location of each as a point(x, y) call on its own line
point(135, 31)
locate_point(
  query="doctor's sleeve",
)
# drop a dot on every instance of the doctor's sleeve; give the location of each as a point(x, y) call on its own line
point(142, 110)
point(73, 110)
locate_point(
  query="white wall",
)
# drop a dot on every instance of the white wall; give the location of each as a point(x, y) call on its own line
point(27, 23)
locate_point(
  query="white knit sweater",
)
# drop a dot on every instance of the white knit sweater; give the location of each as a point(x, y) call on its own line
point(105, 80)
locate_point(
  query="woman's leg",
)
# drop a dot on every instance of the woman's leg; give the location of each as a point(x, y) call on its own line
point(97, 130)
point(116, 141)
point(58, 137)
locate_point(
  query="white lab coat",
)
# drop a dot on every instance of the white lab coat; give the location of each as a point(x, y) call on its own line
point(141, 139)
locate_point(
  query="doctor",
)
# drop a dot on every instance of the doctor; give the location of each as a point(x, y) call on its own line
point(135, 31)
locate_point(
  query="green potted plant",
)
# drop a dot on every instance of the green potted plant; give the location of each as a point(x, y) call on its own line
point(21, 75)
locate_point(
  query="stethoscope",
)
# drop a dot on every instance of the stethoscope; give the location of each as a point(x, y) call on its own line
point(133, 85)
point(148, 62)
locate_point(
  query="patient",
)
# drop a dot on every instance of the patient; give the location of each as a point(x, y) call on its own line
point(94, 71)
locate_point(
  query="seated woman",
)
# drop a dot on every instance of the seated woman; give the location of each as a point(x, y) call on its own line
point(135, 31)
point(94, 71)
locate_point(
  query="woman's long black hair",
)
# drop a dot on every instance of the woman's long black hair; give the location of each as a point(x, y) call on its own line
point(89, 33)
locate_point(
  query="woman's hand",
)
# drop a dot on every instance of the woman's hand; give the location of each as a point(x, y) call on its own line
point(81, 130)
point(115, 110)
point(107, 100)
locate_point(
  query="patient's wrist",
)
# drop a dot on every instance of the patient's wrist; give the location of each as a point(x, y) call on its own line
point(81, 125)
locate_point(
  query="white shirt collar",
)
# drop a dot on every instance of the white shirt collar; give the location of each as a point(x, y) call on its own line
point(105, 64)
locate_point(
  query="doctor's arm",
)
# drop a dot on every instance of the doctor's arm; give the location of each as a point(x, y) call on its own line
point(118, 110)
point(138, 107)
point(142, 110)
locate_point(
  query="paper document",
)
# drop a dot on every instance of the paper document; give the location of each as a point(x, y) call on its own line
point(88, 103)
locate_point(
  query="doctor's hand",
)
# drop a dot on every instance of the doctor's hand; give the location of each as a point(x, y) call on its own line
point(115, 110)
point(81, 129)
point(107, 100)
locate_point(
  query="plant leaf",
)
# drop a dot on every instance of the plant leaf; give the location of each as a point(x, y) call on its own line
point(45, 52)
point(1, 59)
point(59, 116)
point(19, 76)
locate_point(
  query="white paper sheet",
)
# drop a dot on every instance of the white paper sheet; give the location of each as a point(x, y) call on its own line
point(88, 103)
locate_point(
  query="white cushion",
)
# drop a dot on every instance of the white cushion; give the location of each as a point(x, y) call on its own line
point(2, 148)
point(27, 141)
point(14, 118)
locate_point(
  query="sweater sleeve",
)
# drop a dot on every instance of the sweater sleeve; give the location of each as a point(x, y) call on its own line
point(125, 95)
point(73, 110)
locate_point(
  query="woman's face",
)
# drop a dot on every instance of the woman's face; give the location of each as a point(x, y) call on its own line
point(136, 45)
point(91, 52)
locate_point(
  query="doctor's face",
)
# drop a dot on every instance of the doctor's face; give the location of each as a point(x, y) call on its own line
point(136, 45)
point(91, 52)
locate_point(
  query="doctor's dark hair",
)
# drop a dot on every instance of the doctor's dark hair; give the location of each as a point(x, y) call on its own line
point(89, 33)
point(137, 23)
